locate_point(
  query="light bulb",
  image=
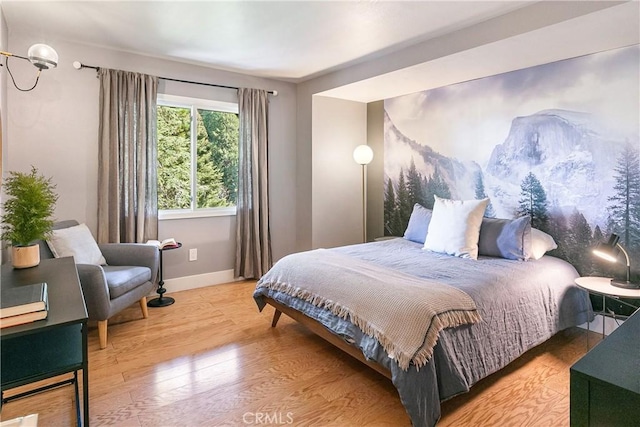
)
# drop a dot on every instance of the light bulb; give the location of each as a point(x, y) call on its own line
point(363, 154)
point(43, 56)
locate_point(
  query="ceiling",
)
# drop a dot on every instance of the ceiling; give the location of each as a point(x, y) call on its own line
point(287, 40)
point(615, 26)
point(300, 40)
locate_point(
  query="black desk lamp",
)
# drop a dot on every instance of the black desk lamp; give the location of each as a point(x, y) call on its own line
point(610, 251)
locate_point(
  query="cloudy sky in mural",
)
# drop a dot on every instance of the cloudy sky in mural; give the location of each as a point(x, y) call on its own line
point(584, 84)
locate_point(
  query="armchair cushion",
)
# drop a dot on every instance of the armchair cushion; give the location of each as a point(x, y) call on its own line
point(132, 254)
point(78, 242)
point(122, 279)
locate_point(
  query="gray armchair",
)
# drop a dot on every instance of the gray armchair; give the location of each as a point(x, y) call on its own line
point(130, 275)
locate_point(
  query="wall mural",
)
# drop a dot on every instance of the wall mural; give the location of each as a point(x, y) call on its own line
point(559, 142)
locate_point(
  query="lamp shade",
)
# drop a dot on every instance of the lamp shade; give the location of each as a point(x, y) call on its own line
point(363, 154)
point(608, 251)
point(43, 56)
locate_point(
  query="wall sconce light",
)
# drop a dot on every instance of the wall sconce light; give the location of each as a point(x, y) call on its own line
point(363, 155)
point(610, 251)
point(40, 55)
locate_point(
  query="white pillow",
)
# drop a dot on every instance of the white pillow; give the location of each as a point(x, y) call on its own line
point(78, 242)
point(541, 243)
point(455, 227)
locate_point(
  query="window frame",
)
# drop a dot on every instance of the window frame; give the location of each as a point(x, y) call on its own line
point(195, 104)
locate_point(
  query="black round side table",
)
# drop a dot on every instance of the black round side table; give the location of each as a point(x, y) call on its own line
point(163, 301)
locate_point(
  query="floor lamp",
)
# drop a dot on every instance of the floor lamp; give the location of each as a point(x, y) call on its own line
point(363, 154)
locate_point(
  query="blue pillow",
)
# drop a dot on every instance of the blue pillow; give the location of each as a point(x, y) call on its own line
point(418, 224)
point(506, 238)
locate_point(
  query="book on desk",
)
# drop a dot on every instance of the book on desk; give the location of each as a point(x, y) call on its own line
point(23, 304)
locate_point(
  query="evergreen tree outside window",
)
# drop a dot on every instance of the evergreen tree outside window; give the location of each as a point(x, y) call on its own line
point(197, 157)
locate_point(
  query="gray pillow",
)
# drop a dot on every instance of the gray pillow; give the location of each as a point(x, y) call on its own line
point(78, 242)
point(418, 224)
point(506, 238)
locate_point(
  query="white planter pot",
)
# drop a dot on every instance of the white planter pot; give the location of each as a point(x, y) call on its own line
point(25, 256)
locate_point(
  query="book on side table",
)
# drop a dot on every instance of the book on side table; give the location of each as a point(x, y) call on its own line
point(23, 304)
point(165, 244)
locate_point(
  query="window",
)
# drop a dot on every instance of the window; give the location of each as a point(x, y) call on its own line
point(197, 157)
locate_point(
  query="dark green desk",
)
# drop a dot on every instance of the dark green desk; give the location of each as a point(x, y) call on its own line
point(605, 383)
point(54, 346)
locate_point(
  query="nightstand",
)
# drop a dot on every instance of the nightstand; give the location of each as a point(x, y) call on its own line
point(602, 286)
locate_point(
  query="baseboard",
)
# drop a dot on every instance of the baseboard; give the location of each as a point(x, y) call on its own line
point(610, 324)
point(199, 281)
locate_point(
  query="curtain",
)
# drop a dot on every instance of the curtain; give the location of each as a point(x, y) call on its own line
point(127, 159)
point(253, 242)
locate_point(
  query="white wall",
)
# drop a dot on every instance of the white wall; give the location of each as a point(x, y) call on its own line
point(375, 170)
point(55, 128)
point(4, 35)
point(338, 128)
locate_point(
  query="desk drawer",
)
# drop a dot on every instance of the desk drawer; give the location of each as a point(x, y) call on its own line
point(39, 355)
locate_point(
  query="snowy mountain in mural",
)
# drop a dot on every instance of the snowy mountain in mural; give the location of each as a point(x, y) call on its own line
point(570, 155)
point(399, 150)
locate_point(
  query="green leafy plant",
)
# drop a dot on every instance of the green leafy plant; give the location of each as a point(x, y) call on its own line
point(29, 207)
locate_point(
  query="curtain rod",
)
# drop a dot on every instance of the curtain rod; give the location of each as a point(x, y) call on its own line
point(79, 66)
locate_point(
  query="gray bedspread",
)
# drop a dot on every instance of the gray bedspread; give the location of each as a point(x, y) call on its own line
point(522, 304)
point(402, 312)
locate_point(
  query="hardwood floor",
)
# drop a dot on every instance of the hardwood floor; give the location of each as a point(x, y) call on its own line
point(211, 359)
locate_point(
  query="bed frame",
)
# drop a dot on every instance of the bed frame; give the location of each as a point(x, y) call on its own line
point(318, 329)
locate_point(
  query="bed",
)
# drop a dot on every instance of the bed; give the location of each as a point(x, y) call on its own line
point(520, 305)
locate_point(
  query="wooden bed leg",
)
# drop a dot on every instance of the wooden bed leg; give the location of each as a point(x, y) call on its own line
point(276, 317)
point(320, 330)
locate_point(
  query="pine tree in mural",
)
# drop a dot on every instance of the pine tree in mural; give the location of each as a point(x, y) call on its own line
point(425, 185)
point(391, 220)
point(557, 227)
point(441, 188)
point(481, 194)
point(533, 202)
point(624, 207)
point(404, 205)
point(597, 235)
point(436, 186)
point(578, 242)
point(414, 185)
point(429, 191)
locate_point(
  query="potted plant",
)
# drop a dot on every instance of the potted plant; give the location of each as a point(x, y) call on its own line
point(27, 215)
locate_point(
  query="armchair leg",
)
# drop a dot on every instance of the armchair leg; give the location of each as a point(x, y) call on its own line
point(143, 306)
point(102, 333)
